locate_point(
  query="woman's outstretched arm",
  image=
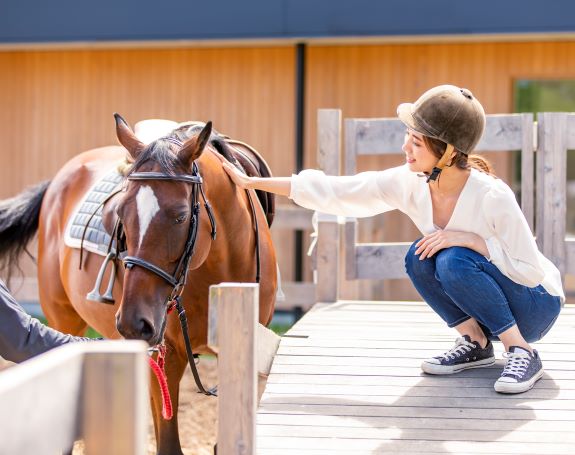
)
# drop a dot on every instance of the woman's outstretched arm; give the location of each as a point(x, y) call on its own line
point(360, 195)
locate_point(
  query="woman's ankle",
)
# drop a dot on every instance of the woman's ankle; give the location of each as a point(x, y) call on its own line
point(482, 340)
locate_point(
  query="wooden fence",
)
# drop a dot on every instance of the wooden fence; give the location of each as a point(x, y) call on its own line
point(245, 350)
point(95, 391)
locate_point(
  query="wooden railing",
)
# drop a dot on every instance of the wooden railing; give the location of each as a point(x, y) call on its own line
point(95, 391)
point(245, 353)
point(298, 295)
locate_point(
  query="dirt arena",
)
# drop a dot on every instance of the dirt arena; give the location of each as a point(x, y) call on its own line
point(197, 413)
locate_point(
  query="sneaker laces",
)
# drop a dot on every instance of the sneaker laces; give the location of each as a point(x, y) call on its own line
point(462, 346)
point(517, 364)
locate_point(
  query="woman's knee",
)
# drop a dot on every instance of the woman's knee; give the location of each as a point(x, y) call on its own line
point(454, 263)
point(416, 267)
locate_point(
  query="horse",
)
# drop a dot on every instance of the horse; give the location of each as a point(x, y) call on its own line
point(150, 217)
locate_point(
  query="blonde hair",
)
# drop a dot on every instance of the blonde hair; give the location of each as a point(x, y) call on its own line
point(461, 160)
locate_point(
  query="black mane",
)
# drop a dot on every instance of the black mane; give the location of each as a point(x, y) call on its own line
point(161, 150)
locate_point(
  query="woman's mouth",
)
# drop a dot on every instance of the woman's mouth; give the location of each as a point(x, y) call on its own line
point(409, 160)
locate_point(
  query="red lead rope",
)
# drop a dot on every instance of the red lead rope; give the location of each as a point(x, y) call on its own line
point(158, 369)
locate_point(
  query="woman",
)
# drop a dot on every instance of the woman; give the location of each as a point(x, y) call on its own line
point(477, 265)
point(23, 337)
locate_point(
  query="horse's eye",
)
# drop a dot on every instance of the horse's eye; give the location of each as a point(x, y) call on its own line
point(181, 219)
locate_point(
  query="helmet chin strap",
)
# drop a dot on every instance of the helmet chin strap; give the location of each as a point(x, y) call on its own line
point(440, 164)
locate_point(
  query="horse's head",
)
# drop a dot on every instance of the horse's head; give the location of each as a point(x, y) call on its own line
point(159, 213)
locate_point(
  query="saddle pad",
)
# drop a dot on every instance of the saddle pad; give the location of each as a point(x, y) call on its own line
point(96, 239)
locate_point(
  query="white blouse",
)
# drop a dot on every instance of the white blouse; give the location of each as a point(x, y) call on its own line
point(486, 207)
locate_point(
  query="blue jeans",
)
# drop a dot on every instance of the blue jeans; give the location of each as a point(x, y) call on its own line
point(459, 283)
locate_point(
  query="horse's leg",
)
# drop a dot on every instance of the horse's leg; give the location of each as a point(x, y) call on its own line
point(167, 435)
point(155, 416)
point(55, 303)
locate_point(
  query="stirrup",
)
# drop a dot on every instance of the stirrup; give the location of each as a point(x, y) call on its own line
point(107, 297)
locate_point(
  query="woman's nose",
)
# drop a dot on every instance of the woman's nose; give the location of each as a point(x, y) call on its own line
point(405, 147)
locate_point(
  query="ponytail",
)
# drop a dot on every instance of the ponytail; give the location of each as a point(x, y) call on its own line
point(480, 163)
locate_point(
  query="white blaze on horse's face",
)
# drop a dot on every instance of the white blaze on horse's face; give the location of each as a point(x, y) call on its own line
point(148, 206)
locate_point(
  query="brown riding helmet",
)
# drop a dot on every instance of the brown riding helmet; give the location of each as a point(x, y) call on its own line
point(448, 113)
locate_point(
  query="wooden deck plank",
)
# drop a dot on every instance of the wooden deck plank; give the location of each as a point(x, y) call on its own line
point(347, 379)
point(422, 391)
point(350, 445)
point(497, 402)
point(491, 372)
point(394, 433)
point(349, 409)
point(367, 361)
point(551, 426)
point(566, 355)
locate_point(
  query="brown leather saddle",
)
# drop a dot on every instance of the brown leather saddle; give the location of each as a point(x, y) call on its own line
point(247, 159)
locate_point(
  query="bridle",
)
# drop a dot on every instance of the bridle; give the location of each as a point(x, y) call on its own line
point(178, 278)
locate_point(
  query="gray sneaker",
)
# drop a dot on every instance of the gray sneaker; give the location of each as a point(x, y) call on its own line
point(465, 354)
point(521, 372)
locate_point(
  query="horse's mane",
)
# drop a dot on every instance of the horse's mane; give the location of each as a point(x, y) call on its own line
point(160, 151)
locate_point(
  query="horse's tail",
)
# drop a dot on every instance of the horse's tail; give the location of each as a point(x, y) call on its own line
point(19, 218)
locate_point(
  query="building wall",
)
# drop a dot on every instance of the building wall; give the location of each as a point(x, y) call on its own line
point(58, 103)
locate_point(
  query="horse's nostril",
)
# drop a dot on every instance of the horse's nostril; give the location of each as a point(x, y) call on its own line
point(146, 330)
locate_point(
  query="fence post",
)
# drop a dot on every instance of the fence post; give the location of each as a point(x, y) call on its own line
point(328, 248)
point(551, 186)
point(233, 318)
point(95, 391)
point(116, 406)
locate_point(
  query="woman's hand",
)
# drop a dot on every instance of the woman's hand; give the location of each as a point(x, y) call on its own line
point(239, 178)
point(439, 240)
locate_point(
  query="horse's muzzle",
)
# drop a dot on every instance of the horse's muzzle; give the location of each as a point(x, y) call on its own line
point(139, 328)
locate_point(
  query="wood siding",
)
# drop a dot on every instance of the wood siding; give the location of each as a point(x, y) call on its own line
point(58, 103)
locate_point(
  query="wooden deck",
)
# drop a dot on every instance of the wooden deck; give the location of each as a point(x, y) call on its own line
point(346, 379)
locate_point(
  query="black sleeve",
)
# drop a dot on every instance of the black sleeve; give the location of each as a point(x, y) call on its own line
point(22, 336)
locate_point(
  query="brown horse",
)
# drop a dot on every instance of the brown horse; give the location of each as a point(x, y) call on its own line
point(155, 206)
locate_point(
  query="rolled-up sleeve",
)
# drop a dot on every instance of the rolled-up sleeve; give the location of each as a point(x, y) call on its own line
point(512, 247)
point(361, 195)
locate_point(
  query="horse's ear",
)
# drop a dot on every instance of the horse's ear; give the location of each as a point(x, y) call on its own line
point(193, 147)
point(127, 137)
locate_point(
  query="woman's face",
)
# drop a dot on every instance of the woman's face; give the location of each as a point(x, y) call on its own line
point(418, 157)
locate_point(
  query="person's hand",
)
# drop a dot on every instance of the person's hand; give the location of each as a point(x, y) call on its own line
point(239, 178)
point(432, 243)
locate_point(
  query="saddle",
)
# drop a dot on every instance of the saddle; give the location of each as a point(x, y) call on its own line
point(243, 156)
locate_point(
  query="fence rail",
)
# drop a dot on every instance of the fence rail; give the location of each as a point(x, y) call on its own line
point(96, 391)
